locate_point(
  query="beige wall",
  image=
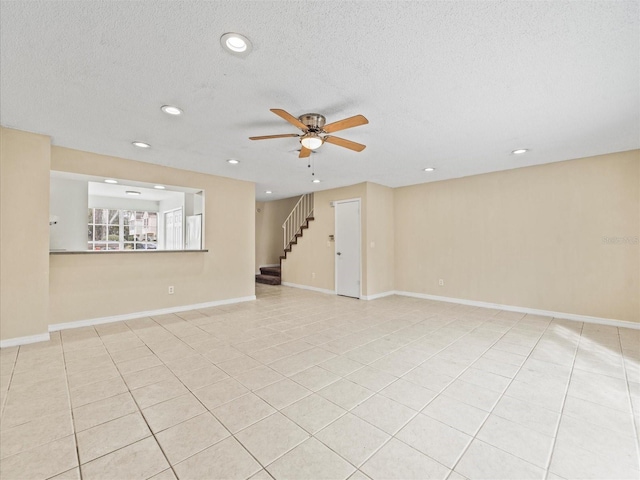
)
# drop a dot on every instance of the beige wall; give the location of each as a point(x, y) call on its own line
point(312, 260)
point(24, 233)
point(380, 239)
point(94, 285)
point(529, 237)
point(269, 219)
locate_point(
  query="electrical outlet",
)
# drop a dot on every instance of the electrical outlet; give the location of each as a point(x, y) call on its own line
point(441, 282)
point(313, 275)
point(171, 290)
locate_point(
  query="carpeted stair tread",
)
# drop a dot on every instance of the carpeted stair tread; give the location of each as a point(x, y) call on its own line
point(275, 271)
point(268, 279)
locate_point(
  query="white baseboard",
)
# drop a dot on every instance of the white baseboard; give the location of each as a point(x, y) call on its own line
point(378, 295)
point(14, 342)
point(307, 287)
point(533, 311)
point(130, 316)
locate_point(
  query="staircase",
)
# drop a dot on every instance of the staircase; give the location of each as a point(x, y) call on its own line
point(269, 276)
point(295, 238)
point(293, 227)
point(297, 222)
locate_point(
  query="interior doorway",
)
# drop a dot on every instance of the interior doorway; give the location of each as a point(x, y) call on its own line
point(347, 238)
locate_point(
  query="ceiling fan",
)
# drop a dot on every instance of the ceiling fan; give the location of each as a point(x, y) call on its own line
point(315, 132)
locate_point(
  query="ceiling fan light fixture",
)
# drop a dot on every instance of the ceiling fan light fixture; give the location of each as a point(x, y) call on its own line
point(311, 141)
point(235, 43)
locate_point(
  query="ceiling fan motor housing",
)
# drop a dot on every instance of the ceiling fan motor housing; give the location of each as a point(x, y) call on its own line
point(314, 121)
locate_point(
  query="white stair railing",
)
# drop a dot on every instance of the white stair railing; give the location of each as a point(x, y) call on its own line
point(297, 218)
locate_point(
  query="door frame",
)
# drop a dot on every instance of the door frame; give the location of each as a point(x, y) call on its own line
point(335, 230)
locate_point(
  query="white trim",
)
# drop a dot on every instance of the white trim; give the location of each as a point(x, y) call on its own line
point(130, 316)
point(307, 287)
point(533, 311)
point(335, 229)
point(378, 295)
point(14, 342)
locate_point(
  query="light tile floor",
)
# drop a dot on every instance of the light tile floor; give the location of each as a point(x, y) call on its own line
point(302, 385)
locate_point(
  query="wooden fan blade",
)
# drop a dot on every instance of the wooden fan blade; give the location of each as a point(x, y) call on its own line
point(290, 118)
point(265, 137)
point(304, 152)
point(350, 122)
point(341, 142)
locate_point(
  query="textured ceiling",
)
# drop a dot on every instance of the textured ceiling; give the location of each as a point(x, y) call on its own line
point(453, 85)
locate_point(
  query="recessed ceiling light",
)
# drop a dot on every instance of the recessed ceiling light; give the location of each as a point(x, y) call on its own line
point(315, 180)
point(141, 145)
point(268, 192)
point(236, 43)
point(429, 169)
point(233, 161)
point(171, 110)
point(520, 151)
point(159, 187)
point(110, 180)
point(132, 192)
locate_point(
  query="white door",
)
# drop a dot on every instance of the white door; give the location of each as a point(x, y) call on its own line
point(173, 229)
point(168, 231)
point(178, 240)
point(348, 248)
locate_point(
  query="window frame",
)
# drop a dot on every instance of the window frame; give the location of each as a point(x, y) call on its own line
point(138, 245)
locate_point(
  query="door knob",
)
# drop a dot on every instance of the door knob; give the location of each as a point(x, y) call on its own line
point(338, 253)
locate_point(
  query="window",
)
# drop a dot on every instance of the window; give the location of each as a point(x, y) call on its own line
point(122, 229)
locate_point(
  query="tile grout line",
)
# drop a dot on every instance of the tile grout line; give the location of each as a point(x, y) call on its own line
point(338, 355)
point(564, 401)
point(109, 353)
point(231, 434)
point(633, 420)
point(458, 378)
point(440, 392)
point(501, 396)
point(137, 406)
point(153, 434)
point(73, 423)
point(293, 421)
point(13, 369)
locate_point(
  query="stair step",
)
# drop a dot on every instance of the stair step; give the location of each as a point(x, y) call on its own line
point(268, 279)
point(275, 271)
point(294, 240)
